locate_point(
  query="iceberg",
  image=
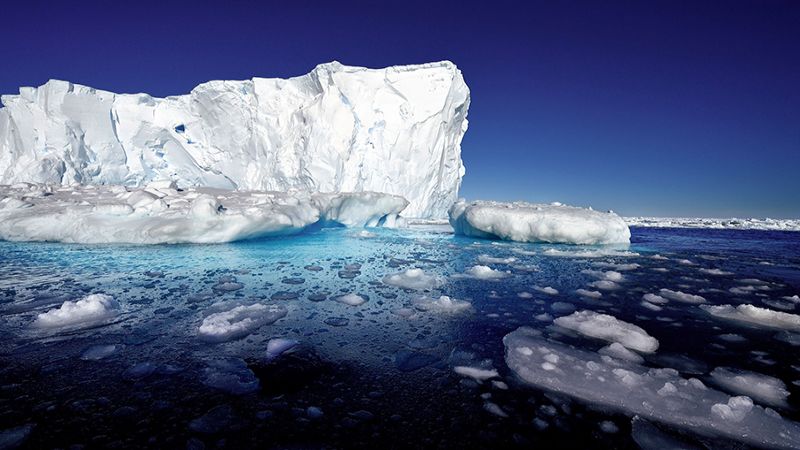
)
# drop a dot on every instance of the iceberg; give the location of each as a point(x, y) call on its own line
point(338, 128)
point(162, 214)
point(530, 222)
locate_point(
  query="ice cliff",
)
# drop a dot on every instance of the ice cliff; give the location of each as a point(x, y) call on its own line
point(339, 128)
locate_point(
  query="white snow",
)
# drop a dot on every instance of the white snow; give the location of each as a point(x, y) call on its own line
point(239, 321)
point(660, 395)
point(762, 388)
point(115, 214)
point(336, 129)
point(741, 224)
point(414, 278)
point(442, 304)
point(87, 311)
point(756, 316)
point(679, 296)
point(609, 328)
point(527, 222)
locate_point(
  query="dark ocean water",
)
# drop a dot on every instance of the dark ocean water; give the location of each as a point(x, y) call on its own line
point(365, 376)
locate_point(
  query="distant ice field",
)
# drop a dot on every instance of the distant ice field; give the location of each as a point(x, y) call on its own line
point(335, 337)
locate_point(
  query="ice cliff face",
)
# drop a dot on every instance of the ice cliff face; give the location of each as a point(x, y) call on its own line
point(339, 128)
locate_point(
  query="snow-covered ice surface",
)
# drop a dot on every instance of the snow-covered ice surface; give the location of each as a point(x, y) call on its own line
point(528, 222)
point(162, 214)
point(304, 342)
point(336, 129)
point(734, 224)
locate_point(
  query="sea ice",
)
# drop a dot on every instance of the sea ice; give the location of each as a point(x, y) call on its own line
point(526, 222)
point(87, 311)
point(484, 273)
point(476, 373)
point(609, 328)
point(679, 296)
point(661, 395)
point(762, 388)
point(351, 299)
point(443, 304)
point(546, 290)
point(414, 278)
point(755, 315)
point(239, 321)
point(115, 214)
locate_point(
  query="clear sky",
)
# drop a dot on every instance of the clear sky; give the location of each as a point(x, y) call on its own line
point(644, 107)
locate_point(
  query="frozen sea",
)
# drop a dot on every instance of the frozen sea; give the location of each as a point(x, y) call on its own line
point(345, 356)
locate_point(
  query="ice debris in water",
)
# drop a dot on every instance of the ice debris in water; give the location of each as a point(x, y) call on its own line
point(588, 294)
point(527, 222)
point(414, 278)
point(609, 328)
point(442, 304)
point(679, 296)
point(756, 316)
point(476, 373)
point(239, 321)
point(279, 346)
point(762, 388)
point(351, 299)
point(87, 311)
point(660, 395)
point(481, 272)
point(486, 259)
point(546, 290)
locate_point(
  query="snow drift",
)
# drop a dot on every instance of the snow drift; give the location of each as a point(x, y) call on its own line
point(162, 214)
point(529, 222)
point(339, 128)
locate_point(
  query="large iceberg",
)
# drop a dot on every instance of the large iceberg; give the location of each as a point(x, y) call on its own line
point(339, 128)
point(529, 222)
point(162, 214)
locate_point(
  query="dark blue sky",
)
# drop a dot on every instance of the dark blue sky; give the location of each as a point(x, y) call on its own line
point(657, 108)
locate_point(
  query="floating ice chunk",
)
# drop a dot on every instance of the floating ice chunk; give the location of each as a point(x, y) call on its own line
point(609, 275)
point(230, 375)
point(609, 328)
point(588, 294)
point(415, 279)
point(546, 290)
point(755, 315)
point(476, 373)
point(485, 273)
point(588, 253)
point(351, 299)
point(87, 311)
point(716, 272)
point(608, 427)
point(524, 294)
point(679, 296)
point(495, 409)
point(653, 298)
point(604, 285)
point(443, 304)
point(634, 390)
point(239, 321)
point(527, 222)
point(794, 298)
point(617, 350)
point(97, 352)
point(191, 216)
point(486, 259)
point(740, 224)
point(651, 306)
point(762, 388)
point(279, 346)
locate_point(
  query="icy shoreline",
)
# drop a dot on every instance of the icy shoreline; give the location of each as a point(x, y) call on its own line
point(162, 214)
point(766, 224)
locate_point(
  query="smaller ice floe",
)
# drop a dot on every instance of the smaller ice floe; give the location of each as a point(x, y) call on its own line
point(415, 279)
point(610, 329)
point(794, 298)
point(604, 285)
point(239, 321)
point(476, 373)
point(483, 273)
point(756, 316)
point(650, 306)
point(618, 267)
point(230, 375)
point(524, 294)
point(98, 352)
point(617, 350)
point(486, 259)
point(716, 272)
point(661, 395)
point(679, 296)
point(351, 299)
point(588, 253)
point(546, 290)
point(494, 409)
point(589, 294)
point(527, 222)
point(278, 346)
point(88, 311)
point(608, 275)
point(653, 298)
point(761, 388)
point(443, 304)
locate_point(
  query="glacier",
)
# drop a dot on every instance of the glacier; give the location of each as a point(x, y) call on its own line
point(339, 128)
